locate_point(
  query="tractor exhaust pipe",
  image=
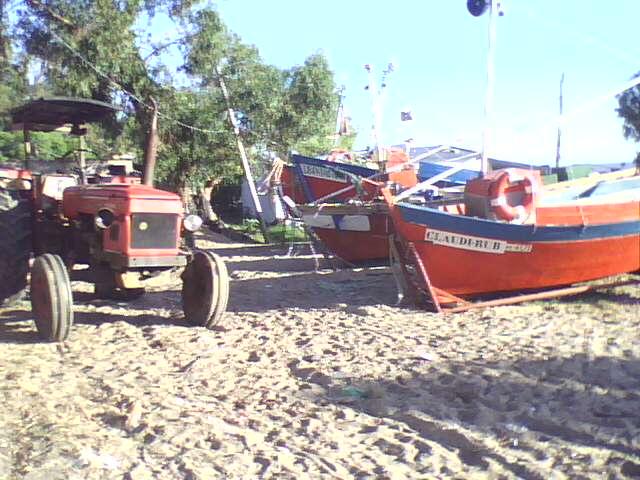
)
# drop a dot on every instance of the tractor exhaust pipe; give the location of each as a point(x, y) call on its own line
point(152, 148)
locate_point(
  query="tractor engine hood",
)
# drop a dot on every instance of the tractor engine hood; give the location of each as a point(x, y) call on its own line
point(120, 199)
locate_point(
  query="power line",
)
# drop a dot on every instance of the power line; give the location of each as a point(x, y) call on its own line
point(126, 92)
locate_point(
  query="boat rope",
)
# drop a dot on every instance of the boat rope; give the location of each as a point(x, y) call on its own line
point(590, 40)
point(428, 184)
point(562, 120)
point(275, 175)
point(394, 169)
point(557, 120)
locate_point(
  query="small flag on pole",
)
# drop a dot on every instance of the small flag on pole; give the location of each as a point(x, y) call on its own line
point(406, 116)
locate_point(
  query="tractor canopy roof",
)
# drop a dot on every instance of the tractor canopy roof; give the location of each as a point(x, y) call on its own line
point(51, 113)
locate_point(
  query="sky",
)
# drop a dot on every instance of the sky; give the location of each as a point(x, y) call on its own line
point(439, 54)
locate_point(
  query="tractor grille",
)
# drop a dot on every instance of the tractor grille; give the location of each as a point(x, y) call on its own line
point(154, 230)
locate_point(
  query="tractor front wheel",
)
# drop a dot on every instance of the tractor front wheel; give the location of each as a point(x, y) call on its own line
point(51, 299)
point(15, 244)
point(205, 289)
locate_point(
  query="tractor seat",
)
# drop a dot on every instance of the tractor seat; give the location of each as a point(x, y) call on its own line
point(52, 188)
point(54, 185)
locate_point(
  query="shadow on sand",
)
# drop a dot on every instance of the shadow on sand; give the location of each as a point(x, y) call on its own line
point(528, 406)
point(17, 325)
point(13, 328)
point(313, 291)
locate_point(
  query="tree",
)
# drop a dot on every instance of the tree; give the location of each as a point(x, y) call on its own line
point(199, 146)
point(279, 110)
point(629, 110)
point(90, 48)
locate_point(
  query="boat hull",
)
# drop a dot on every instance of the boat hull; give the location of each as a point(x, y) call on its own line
point(309, 179)
point(469, 256)
point(356, 234)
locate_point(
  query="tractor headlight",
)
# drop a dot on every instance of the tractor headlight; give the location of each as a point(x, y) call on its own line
point(104, 219)
point(192, 223)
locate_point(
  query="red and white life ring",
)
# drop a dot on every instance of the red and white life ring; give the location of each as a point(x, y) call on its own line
point(505, 180)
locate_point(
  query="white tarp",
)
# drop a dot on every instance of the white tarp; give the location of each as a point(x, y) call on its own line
point(273, 210)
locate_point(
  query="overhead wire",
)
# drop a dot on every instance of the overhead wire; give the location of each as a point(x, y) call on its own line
point(591, 39)
point(527, 129)
point(128, 93)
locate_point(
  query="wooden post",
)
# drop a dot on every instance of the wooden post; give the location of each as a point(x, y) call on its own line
point(152, 147)
point(27, 146)
point(243, 155)
point(82, 159)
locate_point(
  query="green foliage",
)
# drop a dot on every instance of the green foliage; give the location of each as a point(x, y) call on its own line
point(280, 233)
point(629, 110)
point(190, 156)
point(46, 146)
point(11, 147)
point(279, 110)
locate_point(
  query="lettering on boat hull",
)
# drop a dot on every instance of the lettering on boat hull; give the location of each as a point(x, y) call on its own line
point(477, 244)
point(318, 171)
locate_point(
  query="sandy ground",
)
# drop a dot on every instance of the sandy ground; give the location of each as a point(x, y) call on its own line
point(318, 375)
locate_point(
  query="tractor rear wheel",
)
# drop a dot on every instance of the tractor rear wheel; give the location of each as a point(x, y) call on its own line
point(15, 244)
point(51, 299)
point(205, 289)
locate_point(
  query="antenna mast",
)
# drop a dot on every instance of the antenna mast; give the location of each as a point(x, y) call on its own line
point(339, 116)
point(379, 154)
point(559, 124)
point(488, 102)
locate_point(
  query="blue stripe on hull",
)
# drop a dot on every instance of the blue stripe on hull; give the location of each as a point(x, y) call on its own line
point(438, 220)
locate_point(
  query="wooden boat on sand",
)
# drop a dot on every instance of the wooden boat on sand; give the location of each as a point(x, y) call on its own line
point(512, 234)
point(356, 226)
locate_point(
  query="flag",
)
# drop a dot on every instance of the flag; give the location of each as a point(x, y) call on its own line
point(406, 116)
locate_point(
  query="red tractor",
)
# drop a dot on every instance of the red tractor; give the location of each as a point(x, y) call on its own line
point(126, 232)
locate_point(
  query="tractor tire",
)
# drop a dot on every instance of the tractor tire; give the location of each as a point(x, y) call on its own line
point(15, 245)
point(51, 298)
point(205, 289)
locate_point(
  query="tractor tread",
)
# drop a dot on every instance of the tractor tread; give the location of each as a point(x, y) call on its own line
point(15, 245)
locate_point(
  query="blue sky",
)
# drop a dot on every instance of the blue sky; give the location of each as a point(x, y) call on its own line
point(439, 51)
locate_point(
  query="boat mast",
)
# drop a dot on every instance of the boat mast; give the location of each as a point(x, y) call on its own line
point(376, 105)
point(339, 116)
point(488, 102)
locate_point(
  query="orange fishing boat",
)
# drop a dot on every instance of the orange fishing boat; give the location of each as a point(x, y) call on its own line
point(510, 233)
